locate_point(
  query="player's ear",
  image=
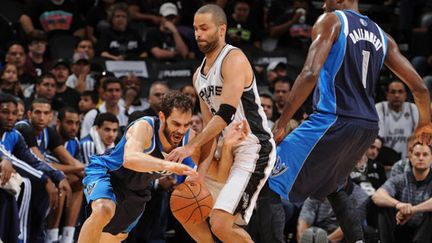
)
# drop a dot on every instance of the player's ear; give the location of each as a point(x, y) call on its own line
point(161, 116)
point(222, 29)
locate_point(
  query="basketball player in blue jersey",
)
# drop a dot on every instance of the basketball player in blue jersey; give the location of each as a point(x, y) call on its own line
point(118, 183)
point(344, 62)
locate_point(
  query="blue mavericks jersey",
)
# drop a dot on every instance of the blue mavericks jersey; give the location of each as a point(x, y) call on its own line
point(112, 161)
point(73, 147)
point(346, 84)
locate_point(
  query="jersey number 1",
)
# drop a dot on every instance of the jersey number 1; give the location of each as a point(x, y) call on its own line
point(365, 64)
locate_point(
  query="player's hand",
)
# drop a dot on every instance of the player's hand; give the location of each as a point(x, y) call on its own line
point(6, 170)
point(424, 133)
point(53, 195)
point(236, 133)
point(167, 183)
point(404, 208)
point(181, 169)
point(279, 133)
point(66, 189)
point(180, 153)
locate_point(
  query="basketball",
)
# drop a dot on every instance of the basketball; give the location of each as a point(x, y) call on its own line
point(191, 202)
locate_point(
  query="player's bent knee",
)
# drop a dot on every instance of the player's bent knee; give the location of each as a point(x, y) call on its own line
point(219, 226)
point(103, 209)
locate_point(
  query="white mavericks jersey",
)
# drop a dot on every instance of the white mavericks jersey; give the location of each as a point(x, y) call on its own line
point(209, 89)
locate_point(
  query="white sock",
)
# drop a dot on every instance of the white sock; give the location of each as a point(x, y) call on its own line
point(52, 235)
point(67, 234)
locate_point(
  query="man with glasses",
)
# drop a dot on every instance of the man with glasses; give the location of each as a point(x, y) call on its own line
point(397, 118)
point(157, 90)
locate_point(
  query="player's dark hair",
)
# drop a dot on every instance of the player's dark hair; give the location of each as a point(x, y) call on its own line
point(62, 113)
point(381, 139)
point(7, 98)
point(175, 99)
point(40, 101)
point(217, 12)
point(103, 117)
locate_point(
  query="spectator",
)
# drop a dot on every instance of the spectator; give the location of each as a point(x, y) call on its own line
point(165, 42)
point(132, 95)
point(20, 109)
point(397, 118)
point(88, 101)
point(67, 127)
point(45, 88)
point(9, 82)
point(282, 87)
point(241, 31)
point(372, 172)
point(36, 63)
point(81, 79)
point(85, 46)
point(275, 70)
point(400, 193)
point(64, 94)
point(120, 42)
point(38, 187)
point(315, 213)
point(97, 19)
point(189, 90)
point(16, 55)
point(282, 18)
point(145, 12)
point(267, 103)
point(403, 165)
point(53, 17)
point(101, 136)
point(157, 90)
point(197, 123)
point(366, 176)
point(112, 91)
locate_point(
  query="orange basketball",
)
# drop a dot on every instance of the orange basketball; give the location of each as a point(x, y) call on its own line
point(191, 202)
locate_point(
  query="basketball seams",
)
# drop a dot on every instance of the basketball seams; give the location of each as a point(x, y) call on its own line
point(191, 208)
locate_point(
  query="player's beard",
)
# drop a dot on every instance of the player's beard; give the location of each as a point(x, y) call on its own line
point(169, 135)
point(209, 45)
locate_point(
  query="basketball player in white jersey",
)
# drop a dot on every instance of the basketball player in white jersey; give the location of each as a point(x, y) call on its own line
point(227, 89)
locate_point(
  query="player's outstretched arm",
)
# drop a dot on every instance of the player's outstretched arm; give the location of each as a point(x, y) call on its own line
point(324, 33)
point(237, 74)
point(400, 66)
point(138, 138)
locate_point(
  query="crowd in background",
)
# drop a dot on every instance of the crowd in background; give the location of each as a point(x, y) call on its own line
point(53, 56)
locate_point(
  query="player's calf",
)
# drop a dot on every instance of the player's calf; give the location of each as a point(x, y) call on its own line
point(222, 225)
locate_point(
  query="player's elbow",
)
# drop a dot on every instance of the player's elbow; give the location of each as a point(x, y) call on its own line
point(310, 75)
point(128, 160)
point(420, 89)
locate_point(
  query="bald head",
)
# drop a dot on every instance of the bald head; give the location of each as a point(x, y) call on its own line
point(216, 11)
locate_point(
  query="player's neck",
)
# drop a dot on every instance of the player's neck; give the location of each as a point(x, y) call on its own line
point(166, 146)
point(211, 56)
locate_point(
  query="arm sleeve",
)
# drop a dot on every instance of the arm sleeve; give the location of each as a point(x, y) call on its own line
point(391, 185)
point(53, 139)
point(87, 123)
point(28, 135)
point(22, 167)
point(22, 152)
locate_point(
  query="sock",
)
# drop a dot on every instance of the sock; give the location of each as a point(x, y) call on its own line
point(67, 234)
point(52, 235)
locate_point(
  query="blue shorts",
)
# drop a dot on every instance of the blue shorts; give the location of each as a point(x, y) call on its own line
point(316, 158)
point(129, 204)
